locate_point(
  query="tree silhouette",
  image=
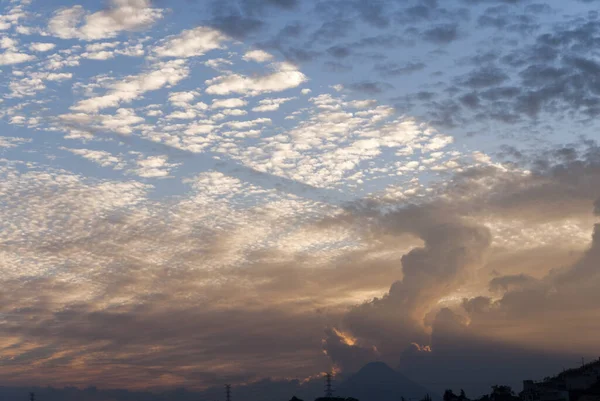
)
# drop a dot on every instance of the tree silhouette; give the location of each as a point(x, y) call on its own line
point(426, 398)
point(449, 395)
point(503, 393)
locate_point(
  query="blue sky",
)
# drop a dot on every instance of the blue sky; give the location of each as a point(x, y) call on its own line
point(288, 163)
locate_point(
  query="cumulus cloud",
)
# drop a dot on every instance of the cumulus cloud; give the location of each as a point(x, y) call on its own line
point(11, 54)
point(153, 167)
point(132, 87)
point(122, 15)
point(402, 246)
point(35, 82)
point(122, 122)
point(260, 56)
point(426, 307)
point(103, 158)
point(12, 142)
point(285, 76)
point(41, 46)
point(228, 103)
point(270, 104)
point(191, 43)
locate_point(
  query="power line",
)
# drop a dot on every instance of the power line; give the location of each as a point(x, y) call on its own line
point(328, 385)
point(228, 392)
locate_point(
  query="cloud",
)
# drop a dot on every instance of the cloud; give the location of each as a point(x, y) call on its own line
point(260, 56)
point(441, 34)
point(154, 167)
point(35, 82)
point(102, 158)
point(363, 230)
point(426, 306)
point(113, 225)
point(370, 87)
point(122, 122)
point(228, 103)
point(392, 69)
point(41, 47)
point(191, 43)
point(12, 57)
point(134, 86)
point(265, 105)
point(122, 15)
point(11, 54)
point(285, 76)
point(12, 142)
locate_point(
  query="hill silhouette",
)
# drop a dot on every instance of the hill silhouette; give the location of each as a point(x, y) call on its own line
point(376, 381)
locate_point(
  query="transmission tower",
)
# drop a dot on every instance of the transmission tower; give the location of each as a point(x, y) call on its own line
point(228, 392)
point(328, 385)
point(31, 396)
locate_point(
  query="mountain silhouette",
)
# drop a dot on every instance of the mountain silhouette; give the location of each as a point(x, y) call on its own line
point(376, 381)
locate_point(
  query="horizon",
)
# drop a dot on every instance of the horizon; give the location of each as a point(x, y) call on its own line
point(372, 375)
point(204, 192)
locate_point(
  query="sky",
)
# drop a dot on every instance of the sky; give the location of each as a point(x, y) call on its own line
point(196, 192)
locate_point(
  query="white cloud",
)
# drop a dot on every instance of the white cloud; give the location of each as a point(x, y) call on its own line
point(123, 122)
point(153, 167)
point(248, 124)
point(182, 115)
point(12, 142)
point(12, 17)
point(34, 83)
point(285, 76)
point(8, 43)
point(191, 43)
point(96, 47)
point(260, 56)
point(217, 63)
point(331, 146)
point(123, 15)
point(182, 99)
point(64, 22)
point(154, 113)
point(12, 57)
point(271, 104)
point(234, 112)
point(228, 103)
point(132, 51)
point(58, 61)
point(103, 158)
point(305, 91)
point(101, 55)
point(59, 77)
point(161, 75)
point(41, 47)
point(25, 30)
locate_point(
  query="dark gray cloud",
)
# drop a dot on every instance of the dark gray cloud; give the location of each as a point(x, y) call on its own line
point(504, 18)
point(370, 87)
point(564, 185)
point(511, 282)
point(392, 69)
point(441, 34)
point(339, 51)
point(485, 77)
point(238, 26)
point(335, 66)
point(242, 18)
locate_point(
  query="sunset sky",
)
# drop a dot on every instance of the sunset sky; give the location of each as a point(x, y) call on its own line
point(201, 191)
